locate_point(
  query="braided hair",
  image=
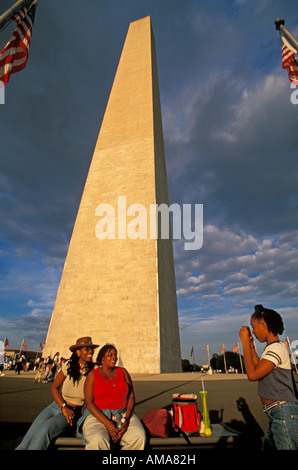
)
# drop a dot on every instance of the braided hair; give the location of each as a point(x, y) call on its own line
point(73, 368)
point(272, 319)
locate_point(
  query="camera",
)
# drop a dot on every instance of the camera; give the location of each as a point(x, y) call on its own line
point(249, 332)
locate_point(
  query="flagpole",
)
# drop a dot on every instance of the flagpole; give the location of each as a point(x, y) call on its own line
point(240, 359)
point(279, 23)
point(21, 347)
point(6, 17)
point(223, 351)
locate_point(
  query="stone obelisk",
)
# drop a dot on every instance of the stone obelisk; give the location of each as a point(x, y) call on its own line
point(120, 288)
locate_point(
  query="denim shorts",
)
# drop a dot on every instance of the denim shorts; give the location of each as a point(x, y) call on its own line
point(282, 430)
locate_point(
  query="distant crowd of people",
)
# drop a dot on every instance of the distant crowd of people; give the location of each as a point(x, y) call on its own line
point(48, 368)
point(18, 363)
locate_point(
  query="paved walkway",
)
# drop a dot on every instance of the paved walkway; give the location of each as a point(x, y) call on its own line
point(231, 399)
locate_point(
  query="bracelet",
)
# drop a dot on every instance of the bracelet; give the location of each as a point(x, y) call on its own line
point(64, 404)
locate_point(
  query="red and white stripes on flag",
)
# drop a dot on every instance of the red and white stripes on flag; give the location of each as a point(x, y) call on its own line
point(287, 343)
point(288, 53)
point(14, 56)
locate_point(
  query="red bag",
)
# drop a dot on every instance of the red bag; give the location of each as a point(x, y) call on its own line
point(186, 414)
point(158, 422)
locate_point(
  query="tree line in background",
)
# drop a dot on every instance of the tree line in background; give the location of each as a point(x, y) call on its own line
point(217, 363)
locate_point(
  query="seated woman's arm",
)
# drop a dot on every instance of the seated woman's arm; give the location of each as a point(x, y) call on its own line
point(55, 390)
point(130, 403)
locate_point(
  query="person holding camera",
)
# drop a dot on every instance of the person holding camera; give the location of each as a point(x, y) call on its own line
point(273, 372)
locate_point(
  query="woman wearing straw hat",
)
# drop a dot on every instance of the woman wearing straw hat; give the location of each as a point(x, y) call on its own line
point(68, 392)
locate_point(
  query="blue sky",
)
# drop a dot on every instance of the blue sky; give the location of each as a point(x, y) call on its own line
point(230, 131)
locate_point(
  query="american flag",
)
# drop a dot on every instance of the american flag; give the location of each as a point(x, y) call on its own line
point(14, 56)
point(289, 61)
point(287, 342)
point(6, 342)
point(223, 349)
point(24, 344)
point(236, 348)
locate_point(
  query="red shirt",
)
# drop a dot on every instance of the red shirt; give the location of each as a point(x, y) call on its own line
point(110, 393)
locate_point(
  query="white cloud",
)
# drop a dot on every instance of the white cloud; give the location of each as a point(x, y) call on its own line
point(255, 104)
point(222, 267)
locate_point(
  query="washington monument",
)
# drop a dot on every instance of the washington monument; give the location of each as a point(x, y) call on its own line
point(118, 282)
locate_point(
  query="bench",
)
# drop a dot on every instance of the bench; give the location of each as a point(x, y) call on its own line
point(222, 437)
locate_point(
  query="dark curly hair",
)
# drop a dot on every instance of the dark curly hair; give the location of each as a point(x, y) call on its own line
point(103, 350)
point(73, 367)
point(272, 319)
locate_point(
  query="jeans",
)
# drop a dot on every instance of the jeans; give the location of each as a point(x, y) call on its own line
point(48, 425)
point(282, 430)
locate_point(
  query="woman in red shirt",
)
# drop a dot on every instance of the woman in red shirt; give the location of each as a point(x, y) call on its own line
point(110, 399)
